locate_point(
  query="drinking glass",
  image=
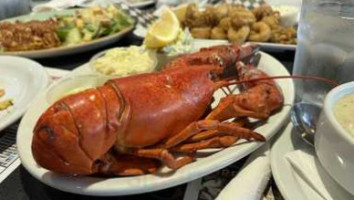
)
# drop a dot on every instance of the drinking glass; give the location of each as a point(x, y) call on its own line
point(12, 8)
point(325, 47)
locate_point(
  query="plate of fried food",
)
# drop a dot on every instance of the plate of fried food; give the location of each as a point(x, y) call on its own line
point(21, 80)
point(63, 32)
point(151, 131)
point(271, 27)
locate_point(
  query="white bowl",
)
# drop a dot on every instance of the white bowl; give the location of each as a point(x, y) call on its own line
point(334, 145)
point(72, 84)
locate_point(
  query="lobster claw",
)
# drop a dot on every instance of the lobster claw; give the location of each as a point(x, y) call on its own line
point(253, 58)
point(249, 55)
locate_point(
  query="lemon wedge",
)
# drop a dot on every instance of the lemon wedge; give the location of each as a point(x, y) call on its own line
point(164, 31)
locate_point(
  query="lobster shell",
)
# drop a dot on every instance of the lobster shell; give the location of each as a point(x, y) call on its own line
point(137, 111)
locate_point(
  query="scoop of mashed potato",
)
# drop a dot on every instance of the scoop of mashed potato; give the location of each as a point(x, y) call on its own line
point(126, 61)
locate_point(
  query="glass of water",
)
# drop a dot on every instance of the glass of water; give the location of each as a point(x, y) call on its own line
point(12, 8)
point(325, 47)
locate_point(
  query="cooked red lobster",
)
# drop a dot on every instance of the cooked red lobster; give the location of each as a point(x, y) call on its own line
point(132, 125)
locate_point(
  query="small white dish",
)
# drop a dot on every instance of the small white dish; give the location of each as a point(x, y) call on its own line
point(334, 145)
point(22, 79)
point(71, 85)
point(146, 183)
point(290, 183)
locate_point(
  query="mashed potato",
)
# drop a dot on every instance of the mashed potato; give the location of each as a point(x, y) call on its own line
point(126, 61)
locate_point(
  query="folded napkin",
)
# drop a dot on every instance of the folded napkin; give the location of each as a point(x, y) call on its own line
point(308, 168)
point(252, 179)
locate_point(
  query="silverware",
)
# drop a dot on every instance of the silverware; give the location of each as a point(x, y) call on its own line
point(304, 117)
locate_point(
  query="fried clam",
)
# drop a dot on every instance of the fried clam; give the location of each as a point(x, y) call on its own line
point(242, 14)
point(225, 23)
point(284, 35)
point(197, 18)
point(262, 11)
point(273, 21)
point(222, 11)
point(260, 32)
point(201, 32)
point(238, 35)
point(218, 33)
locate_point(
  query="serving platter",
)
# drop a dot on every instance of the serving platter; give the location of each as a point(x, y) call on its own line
point(22, 79)
point(146, 183)
point(64, 50)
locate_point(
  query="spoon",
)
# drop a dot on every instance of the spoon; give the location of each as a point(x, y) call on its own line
point(304, 117)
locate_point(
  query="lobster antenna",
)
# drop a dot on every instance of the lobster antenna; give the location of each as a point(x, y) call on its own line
point(309, 77)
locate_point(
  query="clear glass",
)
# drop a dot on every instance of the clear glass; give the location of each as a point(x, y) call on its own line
point(325, 47)
point(12, 8)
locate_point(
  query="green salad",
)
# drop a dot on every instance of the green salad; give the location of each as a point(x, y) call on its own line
point(92, 23)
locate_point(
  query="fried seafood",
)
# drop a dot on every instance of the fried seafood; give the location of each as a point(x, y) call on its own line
point(273, 21)
point(203, 32)
point(260, 32)
point(262, 11)
point(225, 23)
point(237, 23)
point(243, 15)
point(33, 35)
point(218, 33)
point(239, 36)
point(196, 18)
point(221, 11)
point(284, 35)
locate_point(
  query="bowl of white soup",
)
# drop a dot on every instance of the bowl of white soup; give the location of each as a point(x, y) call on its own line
point(334, 138)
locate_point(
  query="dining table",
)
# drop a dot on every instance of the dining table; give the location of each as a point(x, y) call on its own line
point(20, 184)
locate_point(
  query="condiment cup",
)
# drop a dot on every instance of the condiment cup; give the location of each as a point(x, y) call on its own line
point(334, 145)
point(72, 84)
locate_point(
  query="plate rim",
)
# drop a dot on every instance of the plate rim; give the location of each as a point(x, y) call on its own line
point(159, 183)
point(14, 115)
point(283, 173)
point(276, 148)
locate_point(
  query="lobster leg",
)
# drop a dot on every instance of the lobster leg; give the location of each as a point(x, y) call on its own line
point(164, 155)
point(191, 130)
point(225, 135)
point(212, 133)
point(127, 165)
point(215, 142)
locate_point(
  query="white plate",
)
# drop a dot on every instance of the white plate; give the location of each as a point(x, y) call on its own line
point(264, 45)
point(65, 50)
point(141, 4)
point(147, 183)
point(22, 79)
point(290, 185)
